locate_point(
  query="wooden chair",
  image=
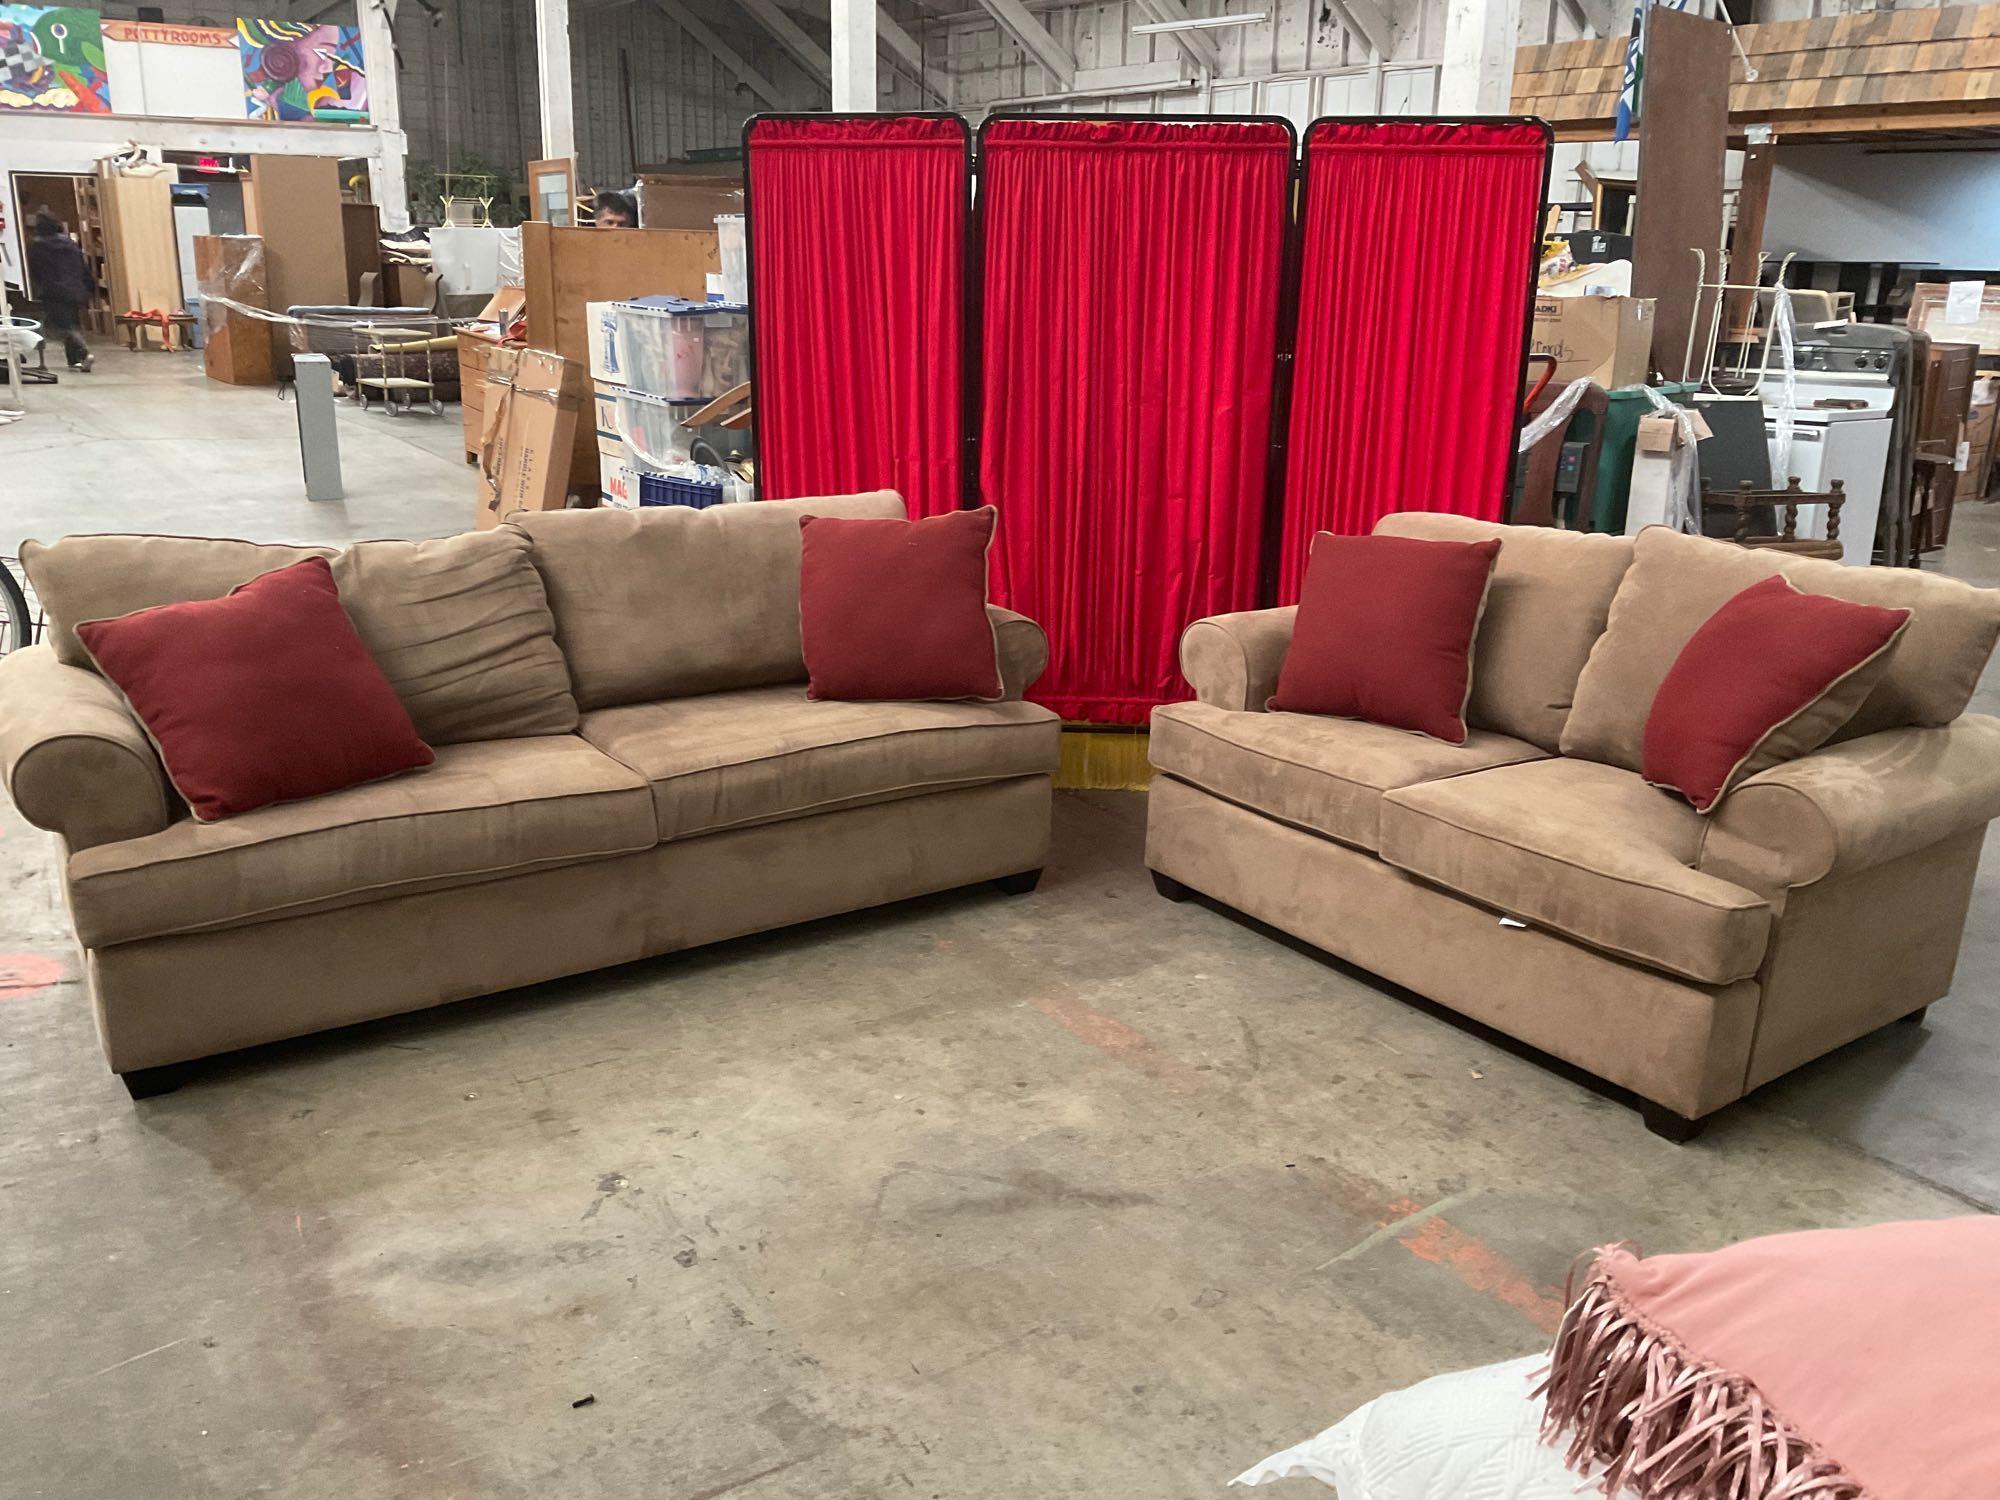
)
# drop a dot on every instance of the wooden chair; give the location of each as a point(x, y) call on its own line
point(1752, 506)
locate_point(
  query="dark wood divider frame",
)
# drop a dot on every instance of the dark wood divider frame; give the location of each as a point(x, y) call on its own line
point(1290, 273)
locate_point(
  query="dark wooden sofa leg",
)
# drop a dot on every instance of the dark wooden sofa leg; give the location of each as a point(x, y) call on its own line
point(1018, 885)
point(1669, 1126)
point(148, 1083)
point(1915, 1017)
point(1169, 887)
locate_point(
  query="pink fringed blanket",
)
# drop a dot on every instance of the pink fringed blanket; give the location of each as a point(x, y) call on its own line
point(1837, 1364)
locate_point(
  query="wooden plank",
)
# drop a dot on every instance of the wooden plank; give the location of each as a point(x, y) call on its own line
point(141, 253)
point(1753, 199)
point(361, 244)
point(1680, 174)
point(565, 268)
point(294, 203)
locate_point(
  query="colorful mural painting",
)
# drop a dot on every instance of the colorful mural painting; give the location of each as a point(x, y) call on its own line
point(294, 70)
point(52, 57)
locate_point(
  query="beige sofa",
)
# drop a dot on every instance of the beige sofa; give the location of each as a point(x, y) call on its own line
point(627, 764)
point(1686, 959)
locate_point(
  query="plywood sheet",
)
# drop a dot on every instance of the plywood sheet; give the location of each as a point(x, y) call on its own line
point(293, 202)
point(566, 268)
point(142, 255)
point(1680, 176)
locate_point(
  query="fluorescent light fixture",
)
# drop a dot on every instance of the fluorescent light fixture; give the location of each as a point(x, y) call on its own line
point(1197, 23)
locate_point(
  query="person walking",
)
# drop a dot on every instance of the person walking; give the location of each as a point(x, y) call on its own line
point(63, 285)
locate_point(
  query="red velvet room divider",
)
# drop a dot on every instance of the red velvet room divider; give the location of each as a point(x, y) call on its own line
point(1417, 262)
point(1130, 279)
point(857, 264)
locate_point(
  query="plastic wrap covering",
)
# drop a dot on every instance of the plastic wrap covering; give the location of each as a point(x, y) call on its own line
point(237, 347)
point(229, 268)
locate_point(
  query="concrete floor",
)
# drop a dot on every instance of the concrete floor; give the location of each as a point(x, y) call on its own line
point(1076, 1194)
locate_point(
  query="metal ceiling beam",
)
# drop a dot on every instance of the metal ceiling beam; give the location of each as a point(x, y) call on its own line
point(725, 54)
point(1018, 22)
point(815, 59)
point(1199, 48)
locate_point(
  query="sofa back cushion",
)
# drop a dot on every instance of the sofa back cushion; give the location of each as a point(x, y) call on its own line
point(1676, 582)
point(460, 626)
point(668, 601)
point(101, 577)
point(1547, 604)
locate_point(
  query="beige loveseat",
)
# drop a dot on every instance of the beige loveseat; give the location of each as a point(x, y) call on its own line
point(627, 764)
point(1687, 959)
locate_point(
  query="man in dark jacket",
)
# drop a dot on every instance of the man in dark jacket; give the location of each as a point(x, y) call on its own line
point(63, 284)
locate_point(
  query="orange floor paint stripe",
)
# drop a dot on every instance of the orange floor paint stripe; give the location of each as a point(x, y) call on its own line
point(23, 975)
point(1480, 1267)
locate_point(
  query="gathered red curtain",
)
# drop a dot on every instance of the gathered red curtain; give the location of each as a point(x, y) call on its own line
point(1415, 279)
point(857, 256)
point(1129, 282)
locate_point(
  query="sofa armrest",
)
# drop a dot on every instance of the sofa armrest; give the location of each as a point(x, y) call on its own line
point(1232, 661)
point(1856, 805)
point(72, 757)
point(1023, 649)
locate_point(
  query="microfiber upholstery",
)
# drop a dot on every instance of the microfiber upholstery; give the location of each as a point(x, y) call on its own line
point(1546, 605)
point(668, 601)
point(1326, 775)
point(1676, 582)
point(460, 626)
point(495, 807)
point(764, 755)
point(1586, 850)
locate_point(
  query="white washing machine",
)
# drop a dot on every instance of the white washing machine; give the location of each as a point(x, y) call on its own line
point(1849, 442)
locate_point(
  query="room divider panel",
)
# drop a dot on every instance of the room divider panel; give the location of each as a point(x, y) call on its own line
point(857, 242)
point(1166, 367)
point(1130, 277)
point(1417, 269)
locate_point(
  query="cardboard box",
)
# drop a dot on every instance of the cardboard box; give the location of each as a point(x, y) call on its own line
point(1609, 339)
point(533, 401)
point(615, 484)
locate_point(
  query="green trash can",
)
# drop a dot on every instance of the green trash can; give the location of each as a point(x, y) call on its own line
point(1621, 437)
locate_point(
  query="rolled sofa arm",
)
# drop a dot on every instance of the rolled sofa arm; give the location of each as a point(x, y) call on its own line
point(1856, 805)
point(1232, 661)
point(72, 757)
point(1023, 649)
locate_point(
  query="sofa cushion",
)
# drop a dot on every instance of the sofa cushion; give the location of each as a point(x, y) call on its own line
point(1676, 582)
point(668, 601)
point(99, 577)
point(1768, 677)
point(761, 755)
point(1326, 775)
point(460, 626)
point(482, 810)
point(1545, 608)
point(895, 611)
point(1385, 630)
point(1586, 850)
point(264, 695)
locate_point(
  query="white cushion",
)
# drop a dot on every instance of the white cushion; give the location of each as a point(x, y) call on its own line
point(1471, 1435)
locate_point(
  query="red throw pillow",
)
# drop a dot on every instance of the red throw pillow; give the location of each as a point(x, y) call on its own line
point(1767, 678)
point(1385, 632)
point(897, 609)
point(264, 695)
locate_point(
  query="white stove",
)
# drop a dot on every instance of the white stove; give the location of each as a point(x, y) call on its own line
point(1847, 442)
